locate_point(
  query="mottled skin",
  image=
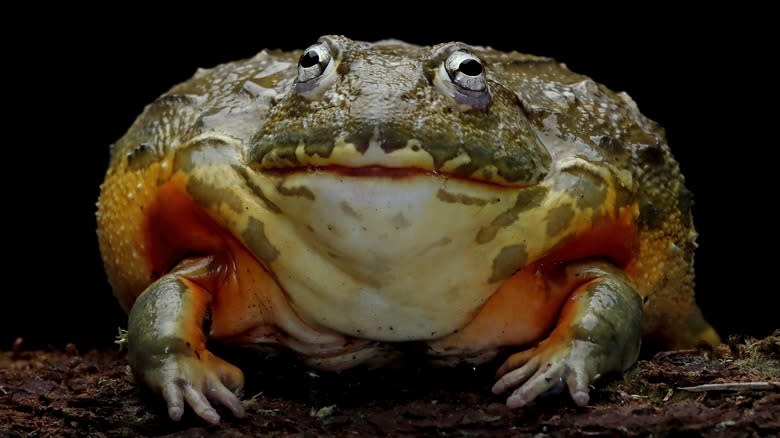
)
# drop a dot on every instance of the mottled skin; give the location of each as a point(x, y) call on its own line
point(345, 199)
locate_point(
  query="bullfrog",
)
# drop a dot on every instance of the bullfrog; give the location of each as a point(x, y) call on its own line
point(352, 199)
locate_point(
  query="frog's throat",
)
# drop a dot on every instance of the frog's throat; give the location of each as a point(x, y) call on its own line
point(392, 259)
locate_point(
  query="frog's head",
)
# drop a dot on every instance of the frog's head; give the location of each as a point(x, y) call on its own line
point(391, 107)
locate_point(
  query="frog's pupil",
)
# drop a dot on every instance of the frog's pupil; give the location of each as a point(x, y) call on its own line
point(471, 67)
point(309, 59)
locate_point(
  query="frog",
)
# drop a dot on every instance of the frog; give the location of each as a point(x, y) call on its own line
point(352, 199)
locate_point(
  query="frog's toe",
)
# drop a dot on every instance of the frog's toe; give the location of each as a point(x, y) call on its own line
point(174, 398)
point(218, 383)
point(516, 375)
point(533, 381)
point(195, 398)
point(579, 385)
point(221, 395)
point(514, 362)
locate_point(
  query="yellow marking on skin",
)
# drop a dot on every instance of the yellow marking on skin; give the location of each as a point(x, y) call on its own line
point(459, 160)
point(300, 153)
point(413, 152)
point(577, 162)
point(346, 154)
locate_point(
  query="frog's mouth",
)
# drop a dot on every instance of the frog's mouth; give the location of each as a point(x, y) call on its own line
point(377, 172)
point(373, 171)
point(376, 158)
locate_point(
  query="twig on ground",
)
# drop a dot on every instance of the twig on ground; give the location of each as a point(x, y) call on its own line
point(734, 386)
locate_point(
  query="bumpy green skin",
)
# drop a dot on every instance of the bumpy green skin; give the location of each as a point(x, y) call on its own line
point(549, 154)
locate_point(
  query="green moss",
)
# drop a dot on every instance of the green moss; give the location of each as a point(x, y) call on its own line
point(760, 356)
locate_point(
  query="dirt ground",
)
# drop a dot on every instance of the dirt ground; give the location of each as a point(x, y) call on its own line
point(67, 393)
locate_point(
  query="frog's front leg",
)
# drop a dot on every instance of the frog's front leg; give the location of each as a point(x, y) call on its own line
point(167, 346)
point(598, 331)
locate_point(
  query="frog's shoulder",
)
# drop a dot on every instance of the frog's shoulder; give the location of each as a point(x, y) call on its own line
point(574, 115)
point(230, 98)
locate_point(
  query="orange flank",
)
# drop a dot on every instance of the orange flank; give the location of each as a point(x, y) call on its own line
point(177, 228)
point(527, 305)
point(519, 312)
point(616, 240)
point(244, 297)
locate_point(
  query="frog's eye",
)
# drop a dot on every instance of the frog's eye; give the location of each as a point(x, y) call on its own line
point(461, 75)
point(313, 63)
point(466, 71)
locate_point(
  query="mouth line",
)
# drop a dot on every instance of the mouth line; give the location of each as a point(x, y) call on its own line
point(378, 171)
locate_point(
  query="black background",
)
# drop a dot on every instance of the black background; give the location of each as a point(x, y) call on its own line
point(73, 85)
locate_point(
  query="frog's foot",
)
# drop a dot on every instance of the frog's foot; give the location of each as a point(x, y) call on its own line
point(167, 349)
point(203, 382)
point(547, 368)
point(598, 331)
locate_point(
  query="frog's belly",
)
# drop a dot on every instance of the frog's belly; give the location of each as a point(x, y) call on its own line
point(385, 258)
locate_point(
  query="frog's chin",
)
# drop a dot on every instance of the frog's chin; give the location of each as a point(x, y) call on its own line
point(386, 258)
